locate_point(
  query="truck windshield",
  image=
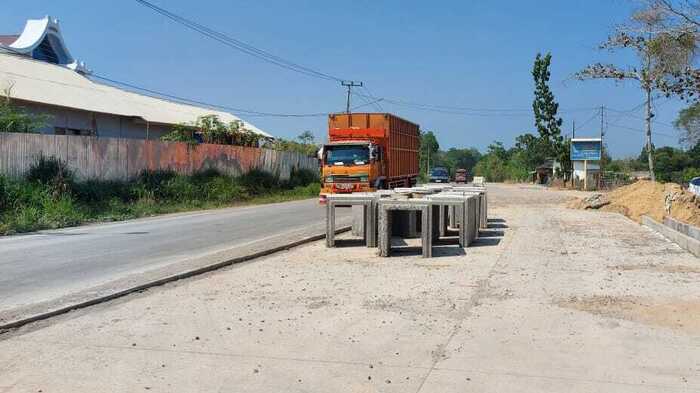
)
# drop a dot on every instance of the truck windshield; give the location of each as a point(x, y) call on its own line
point(347, 155)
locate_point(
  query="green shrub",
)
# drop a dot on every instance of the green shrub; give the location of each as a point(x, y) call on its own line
point(59, 213)
point(33, 203)
point(179, 188)
point(152, 184)
point(4, 194)
point(25, 219)
point(690, 173)
point(52, 172)
point(302, 177)
point(259, 182)
point(225, 190)
point(206, 175)
point(94, 192)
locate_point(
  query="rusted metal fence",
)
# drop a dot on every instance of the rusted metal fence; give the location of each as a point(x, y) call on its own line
point(121, 159)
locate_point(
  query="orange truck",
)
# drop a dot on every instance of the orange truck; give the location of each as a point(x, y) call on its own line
point(368, 152)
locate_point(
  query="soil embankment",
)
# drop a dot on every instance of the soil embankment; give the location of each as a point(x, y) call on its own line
point(646, 198)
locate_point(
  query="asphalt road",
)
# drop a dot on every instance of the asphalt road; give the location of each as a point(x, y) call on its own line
point(55, 264)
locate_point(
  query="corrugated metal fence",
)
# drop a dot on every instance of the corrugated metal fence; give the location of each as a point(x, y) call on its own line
point(121, 159)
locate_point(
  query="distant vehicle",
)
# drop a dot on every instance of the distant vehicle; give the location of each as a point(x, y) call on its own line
point(461, 176)
point(439, 175)
point(368, 152)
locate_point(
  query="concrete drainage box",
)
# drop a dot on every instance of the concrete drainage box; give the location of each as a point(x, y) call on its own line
point(686, 236)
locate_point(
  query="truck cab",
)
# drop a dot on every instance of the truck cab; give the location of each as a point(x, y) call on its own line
point(351, 166)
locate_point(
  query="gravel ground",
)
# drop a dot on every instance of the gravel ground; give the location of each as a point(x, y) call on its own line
point(548, 300)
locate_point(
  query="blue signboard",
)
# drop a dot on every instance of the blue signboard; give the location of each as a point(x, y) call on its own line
point(589, 150)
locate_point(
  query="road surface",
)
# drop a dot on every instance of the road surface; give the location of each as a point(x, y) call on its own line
point(60, 264)
point(547, 300)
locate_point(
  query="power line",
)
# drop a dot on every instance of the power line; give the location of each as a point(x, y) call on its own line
point(641, 118)
point(595, 115)
point(377, 105)
point(240, 45)
point(368, 103)
point(642, 131)
point(184, 100)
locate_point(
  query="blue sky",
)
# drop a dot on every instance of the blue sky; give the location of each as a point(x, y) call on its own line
point(474, 54)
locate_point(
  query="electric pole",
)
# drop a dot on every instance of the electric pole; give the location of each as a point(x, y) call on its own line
point(646, 83)
point(601, 181)
point(650, 149)
point(350, 85)
point(573, 130)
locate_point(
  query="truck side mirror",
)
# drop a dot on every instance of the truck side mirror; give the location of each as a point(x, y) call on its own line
point(373, 152)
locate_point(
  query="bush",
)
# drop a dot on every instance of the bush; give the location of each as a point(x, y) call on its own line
point(302, 177)
point(690, 173)
point(225, 190)
point(152, 184)
point(4, 194)
point(259, 182)
point(34, 203)
point(180, 189)
point(52, 172)
point(93, 192)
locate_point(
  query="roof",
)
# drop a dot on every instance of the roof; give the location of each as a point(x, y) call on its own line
point(44, 35)
point(7, 40)
point(50, 84)
point(586, 140)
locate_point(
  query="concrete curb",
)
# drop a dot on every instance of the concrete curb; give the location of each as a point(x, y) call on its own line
point(163, 281)
point(685, 242)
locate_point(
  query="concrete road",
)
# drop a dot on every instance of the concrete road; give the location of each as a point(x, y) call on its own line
point(52, 268)
point(548, 300)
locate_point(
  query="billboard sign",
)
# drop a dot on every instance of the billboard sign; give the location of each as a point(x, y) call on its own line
point(586, 149)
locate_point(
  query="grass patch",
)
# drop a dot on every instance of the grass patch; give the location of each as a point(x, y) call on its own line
point(50, 197)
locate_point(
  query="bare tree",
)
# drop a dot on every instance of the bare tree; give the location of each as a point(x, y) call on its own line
point(664, 47)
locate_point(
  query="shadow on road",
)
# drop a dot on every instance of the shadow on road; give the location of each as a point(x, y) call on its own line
point(341, 243)
point(491, 236)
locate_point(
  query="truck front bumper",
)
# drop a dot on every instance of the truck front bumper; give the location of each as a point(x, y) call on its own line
point(343, 188)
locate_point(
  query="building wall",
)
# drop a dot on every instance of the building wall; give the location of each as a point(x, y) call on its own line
point(592, 166)
point(101, 125)
point(123, 158)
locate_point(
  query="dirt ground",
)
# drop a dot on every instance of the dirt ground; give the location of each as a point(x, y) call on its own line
point(549, 299)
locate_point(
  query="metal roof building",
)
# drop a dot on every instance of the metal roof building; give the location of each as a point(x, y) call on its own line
point(37, 70)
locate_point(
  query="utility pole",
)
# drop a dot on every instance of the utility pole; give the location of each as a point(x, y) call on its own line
point(350, 85)
point(646, 83)
point(601, 182)
point(650, 152)
point(573, 130)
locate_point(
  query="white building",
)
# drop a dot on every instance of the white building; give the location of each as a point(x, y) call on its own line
point(41, 75)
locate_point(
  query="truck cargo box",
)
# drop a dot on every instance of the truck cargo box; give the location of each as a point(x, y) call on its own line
point(399, 138)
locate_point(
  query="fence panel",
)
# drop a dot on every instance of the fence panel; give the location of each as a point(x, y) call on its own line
point(121, 159)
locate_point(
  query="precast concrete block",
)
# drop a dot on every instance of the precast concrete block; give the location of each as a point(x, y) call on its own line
point(387, 213)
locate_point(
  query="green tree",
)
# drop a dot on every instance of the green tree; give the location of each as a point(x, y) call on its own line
point(494, 165)
point(688, 123)
point(16, 119)
point(545, 109)
point(306, 138)
point(664, 51)
point(459, 158)
point(429, 148)
point(180, 133)
point(531, 151)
